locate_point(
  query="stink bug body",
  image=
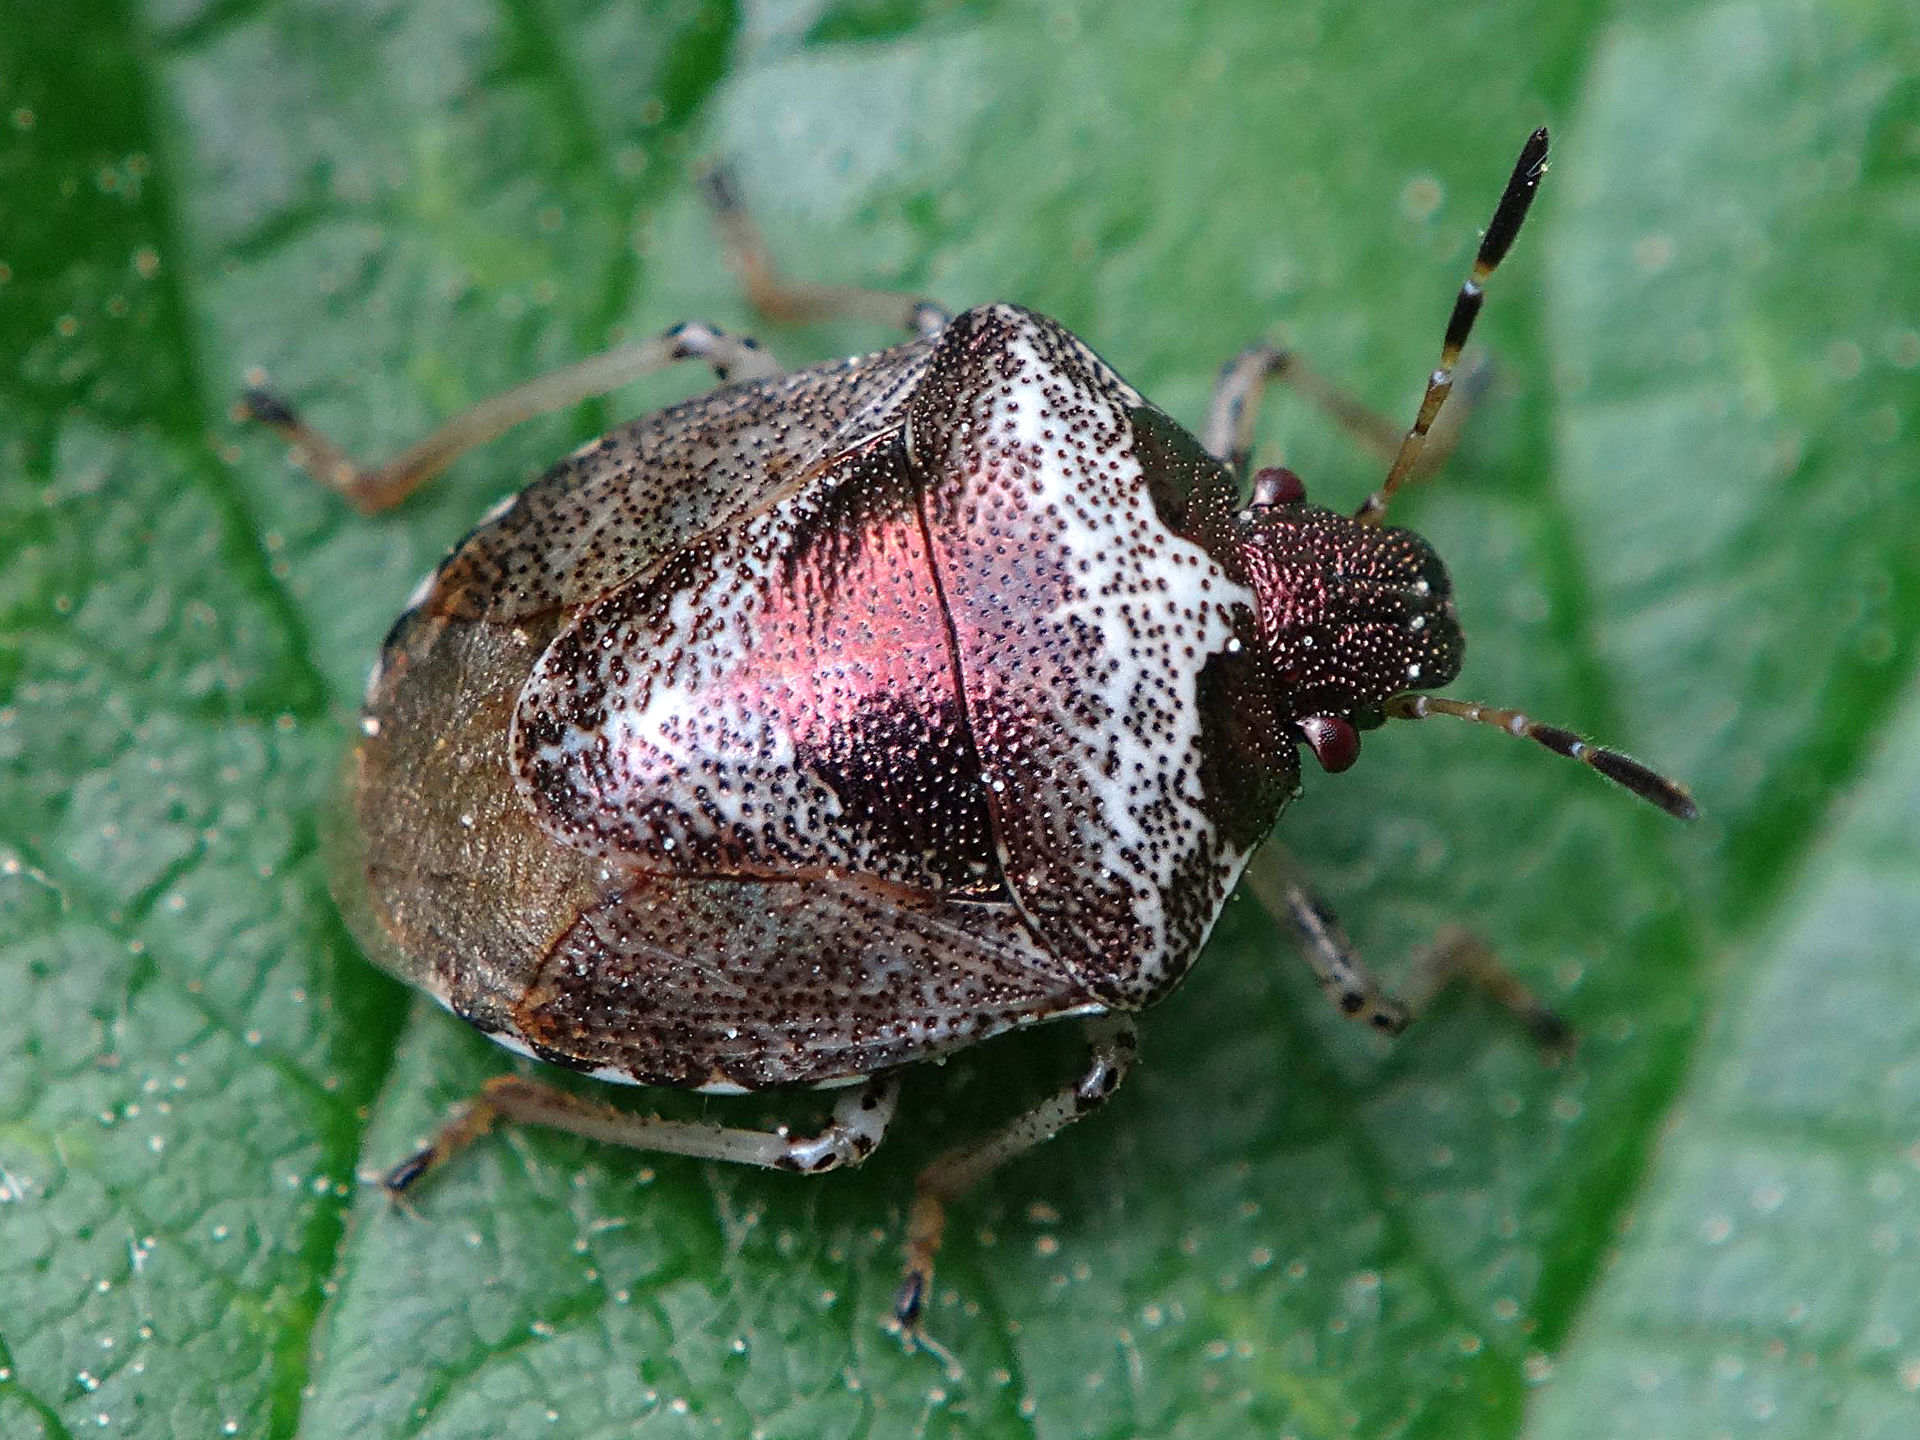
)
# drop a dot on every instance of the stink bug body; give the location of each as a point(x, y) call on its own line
point(849, 715)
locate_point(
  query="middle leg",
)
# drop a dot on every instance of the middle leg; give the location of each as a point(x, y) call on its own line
point(373, 488)
point(1111, 1042)
point(796, 301)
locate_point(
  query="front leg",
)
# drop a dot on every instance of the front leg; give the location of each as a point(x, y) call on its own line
point(1343, 975)
point(1454, 954)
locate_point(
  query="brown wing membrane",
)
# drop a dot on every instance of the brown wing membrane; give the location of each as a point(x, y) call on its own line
point(751, 983)
point(445, 871)
point(445, 876)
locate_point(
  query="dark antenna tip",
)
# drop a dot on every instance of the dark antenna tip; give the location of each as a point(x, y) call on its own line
point(1623, 770)
point(1508, 215)
point(1515, 201)
point(266, 408)
point(1649, 785)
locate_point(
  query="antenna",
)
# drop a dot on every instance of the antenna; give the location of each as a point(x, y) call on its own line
point(1515, 200)
point(1623, 770)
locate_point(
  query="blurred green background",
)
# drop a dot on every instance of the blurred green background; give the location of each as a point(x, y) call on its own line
point(1684, 519)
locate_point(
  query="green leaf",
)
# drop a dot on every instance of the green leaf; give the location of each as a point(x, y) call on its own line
point(1683, 518)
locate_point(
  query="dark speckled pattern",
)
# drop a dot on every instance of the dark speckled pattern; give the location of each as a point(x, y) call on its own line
point(752, 983)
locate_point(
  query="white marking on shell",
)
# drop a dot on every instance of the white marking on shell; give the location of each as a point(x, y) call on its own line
point(420, 592)
point(1092, 1007)
point(505, 1039)
point(668, 733)
point(1149, 596)
point(505, 502)
point(509, 1041)
point(377, 671)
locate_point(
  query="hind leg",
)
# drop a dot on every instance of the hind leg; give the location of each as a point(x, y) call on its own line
point(860, 1119)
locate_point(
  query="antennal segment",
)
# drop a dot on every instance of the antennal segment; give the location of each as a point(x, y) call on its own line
point(1623, 770)
point(1515, 200)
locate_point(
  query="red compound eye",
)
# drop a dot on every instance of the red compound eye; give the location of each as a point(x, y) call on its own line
point(1277, 485)
point(1336, 744)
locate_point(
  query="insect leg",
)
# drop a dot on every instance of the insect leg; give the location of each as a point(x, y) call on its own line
point(1111, 1041)
point(797, 301)
point(1277, 883)
point(1234, 408)
point(381, 487)
point(1454, 954)
point(859, 1120)
point(1458, 954)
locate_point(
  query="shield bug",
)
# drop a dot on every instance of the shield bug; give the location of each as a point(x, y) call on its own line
point(849, 715)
